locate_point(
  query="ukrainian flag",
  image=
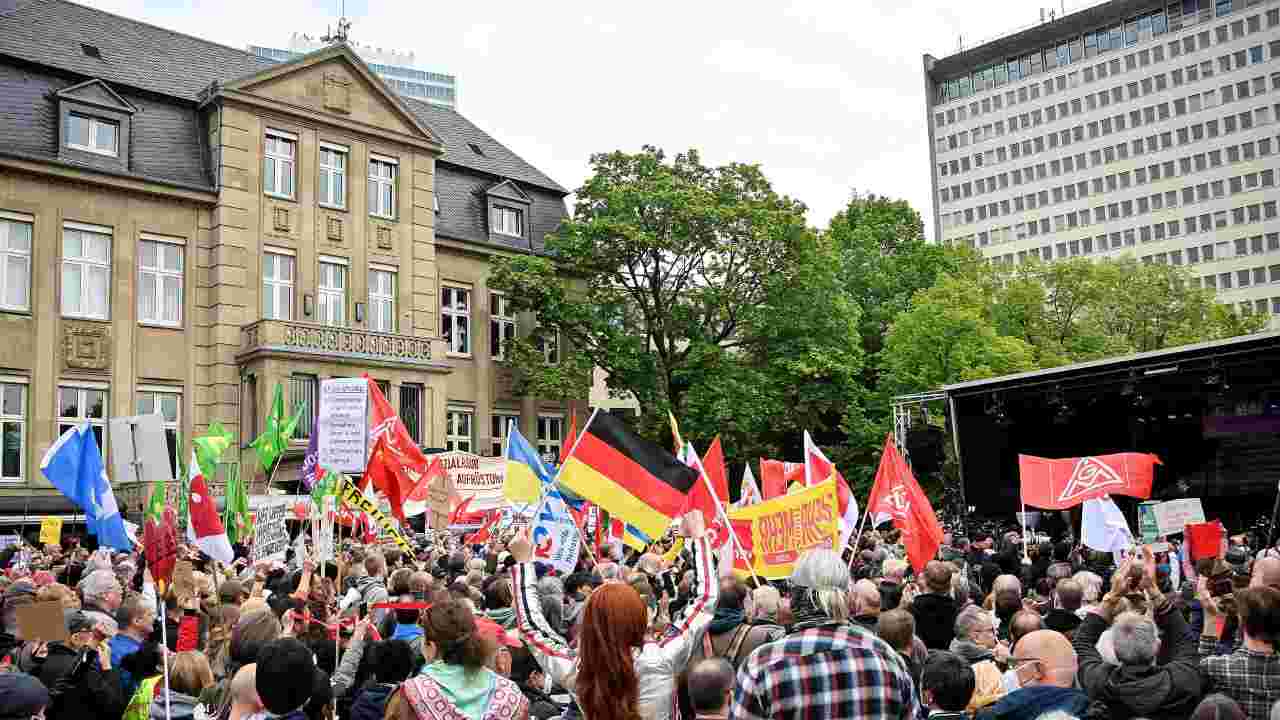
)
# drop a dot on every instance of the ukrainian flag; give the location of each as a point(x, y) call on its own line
point(525, 471)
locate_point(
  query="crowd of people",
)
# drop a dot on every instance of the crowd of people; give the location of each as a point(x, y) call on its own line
point(989, 629)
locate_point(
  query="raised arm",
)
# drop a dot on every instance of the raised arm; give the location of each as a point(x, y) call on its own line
point(687, 627)
point(549, 649)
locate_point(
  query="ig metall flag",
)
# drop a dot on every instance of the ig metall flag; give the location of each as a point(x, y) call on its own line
point(555, 536)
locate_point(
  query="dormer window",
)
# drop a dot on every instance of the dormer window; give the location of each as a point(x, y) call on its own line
point(507, 221)
point(93, 134)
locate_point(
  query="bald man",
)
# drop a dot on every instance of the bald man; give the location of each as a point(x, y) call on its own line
point(244, 693)
point(1045, 666)
point(1266, 573)
point(866, 604)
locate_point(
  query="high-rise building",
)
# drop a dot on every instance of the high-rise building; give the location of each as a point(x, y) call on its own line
point(398, 69)
point(1140, 128)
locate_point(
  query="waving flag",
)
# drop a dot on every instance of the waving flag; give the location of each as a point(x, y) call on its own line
point(160, 537)
point(817, 468)
point(74, 466)
point(403, 461)
point(1060, 484)
point(709, 492)
point(209, 448)
point(417, 501)
point(238, 522)
point(204, 529)
point(750, 492)
point(555, 535)
point(525, 472)
point(776, 476)
point(896, 495)
point(274, 440)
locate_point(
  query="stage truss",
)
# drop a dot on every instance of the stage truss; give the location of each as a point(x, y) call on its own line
point(907, 407)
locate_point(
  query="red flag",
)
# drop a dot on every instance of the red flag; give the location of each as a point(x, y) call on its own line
point(415, 503)
point(460, 511)
point(567, 444)
point(897, 495)
point(710, 492)
point(776, 475)
point(1204, 540)
point(486, 531)
point(410, 463)
point(1067, 482)
point(386, 472)
point(817, 468)
point(743, 555)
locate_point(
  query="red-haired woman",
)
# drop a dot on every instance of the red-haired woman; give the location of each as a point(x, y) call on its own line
point(616, 672)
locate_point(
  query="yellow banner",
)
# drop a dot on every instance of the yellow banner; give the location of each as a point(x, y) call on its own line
point(352, 496)
point(51, 531)
point(784, 528)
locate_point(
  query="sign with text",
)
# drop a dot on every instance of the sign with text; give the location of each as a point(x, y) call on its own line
point(270, 536)
point(344, 424)
point(1148, 527)
point(475, 477)
point(356, 500)
point(784, 528)
point(1173, 516)
point(51, 531)
point(322, 529)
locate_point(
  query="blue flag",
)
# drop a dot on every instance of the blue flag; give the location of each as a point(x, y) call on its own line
point(73, 464)
point(555, 535)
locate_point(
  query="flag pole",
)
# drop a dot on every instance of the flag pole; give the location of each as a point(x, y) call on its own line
point(555, 481)
point(733, 536)
point(862, 523)
point(164, 643)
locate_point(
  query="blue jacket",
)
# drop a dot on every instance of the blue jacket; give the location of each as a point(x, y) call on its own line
point(371, 702)
point(1029, 703)
point(122, 646)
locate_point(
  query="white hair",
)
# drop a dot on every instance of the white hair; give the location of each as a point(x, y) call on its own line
point(1006, 582)
point(1057, 715)
point(968, 620)
point(1092, 585)
point(608, 571)
point(825, 577)
point(1135, 640)
point(98, 583)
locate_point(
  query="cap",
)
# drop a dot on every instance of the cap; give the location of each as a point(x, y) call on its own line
point(77, 621)
point(286, 669)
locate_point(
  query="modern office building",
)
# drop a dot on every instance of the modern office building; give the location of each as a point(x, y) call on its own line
point(398, 69)
point(182, 242)
point(1131, 127)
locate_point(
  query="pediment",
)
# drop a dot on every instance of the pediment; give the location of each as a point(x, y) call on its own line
point(508, 190)
point(337, 82)
point(97, 93)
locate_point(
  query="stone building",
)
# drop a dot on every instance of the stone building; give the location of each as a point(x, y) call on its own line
point(184, 225)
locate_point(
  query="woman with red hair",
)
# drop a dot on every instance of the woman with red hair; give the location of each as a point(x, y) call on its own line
point(616, 671)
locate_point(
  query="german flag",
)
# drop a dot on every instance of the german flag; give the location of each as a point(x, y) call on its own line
point(627, 476)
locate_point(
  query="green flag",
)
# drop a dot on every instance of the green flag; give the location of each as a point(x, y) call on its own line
point(209, 449)
point(274, 440)
point(237, 522)
point(326, 485)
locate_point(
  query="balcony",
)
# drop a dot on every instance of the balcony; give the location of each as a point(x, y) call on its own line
point(290, 338)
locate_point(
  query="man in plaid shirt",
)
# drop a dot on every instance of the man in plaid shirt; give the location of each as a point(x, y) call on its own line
point(1251, 674)
point(826, 668)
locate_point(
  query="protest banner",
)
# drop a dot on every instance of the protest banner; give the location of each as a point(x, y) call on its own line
point(343, 422)
point(1148, 527)
point(479, 478)
point(784, 528)
point(555, 537)
point(356, 500)
point(10, 539)
point(270, 536)
point(51, 531)
point(1173, 516)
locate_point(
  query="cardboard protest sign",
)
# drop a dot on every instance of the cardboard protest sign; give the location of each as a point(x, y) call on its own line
point(784, 528)
point(343, 423)
point(42, 621)
point(51, 531)
point(479, 478)
point(1173, 516)
point(270, 536)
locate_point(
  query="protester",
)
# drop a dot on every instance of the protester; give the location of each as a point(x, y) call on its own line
point(1045, 667)
point(78, 672)
point(1251, 674)
point(189, 676)
point(711, 688)
point(809, 667)
point(976, 643)
point(935, 609)
point(391, 662)
point(1023, 622)
point(136, 620)
point(22, 697)
point(1068, 596)
point(947, 686)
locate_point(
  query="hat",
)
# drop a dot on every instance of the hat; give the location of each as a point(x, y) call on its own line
point(21, 695)
point(77, 621)
point(286, 671)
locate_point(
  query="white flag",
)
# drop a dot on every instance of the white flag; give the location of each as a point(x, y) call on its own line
point(1103, 527)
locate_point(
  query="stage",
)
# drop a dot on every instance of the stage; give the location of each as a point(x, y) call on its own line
point(1211, 412)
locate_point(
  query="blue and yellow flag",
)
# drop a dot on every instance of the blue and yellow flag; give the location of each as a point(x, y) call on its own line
point(525, 471)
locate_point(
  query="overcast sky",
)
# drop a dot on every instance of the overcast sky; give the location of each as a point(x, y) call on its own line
point(826, 96)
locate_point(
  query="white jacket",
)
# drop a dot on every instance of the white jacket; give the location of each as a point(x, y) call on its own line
point(657, 663)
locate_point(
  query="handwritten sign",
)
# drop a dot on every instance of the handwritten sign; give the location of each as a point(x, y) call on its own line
point(786, 527)
point(270, 536)
point(1173, 516)
point(343, 423)
point(356, 500)
point(51, 531)
point(479, 478)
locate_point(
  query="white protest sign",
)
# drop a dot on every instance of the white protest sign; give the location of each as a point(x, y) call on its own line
point(475, 477)
point(344, 424)
point(322, 529)
point(8, 540)
point(1173, 516)
point(555, 536)
point(270, 536)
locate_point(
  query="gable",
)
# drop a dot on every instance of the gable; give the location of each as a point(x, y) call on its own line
point(508, 190)
point(97, 93)
point(335, 87)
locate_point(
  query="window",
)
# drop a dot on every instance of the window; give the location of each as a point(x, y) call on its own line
point(458, 430)
point(499, 425)
point(80, 405)
point(548, 343)
point(167, 403)
point(550, 435)
point(382, 300)
point(15, 263)
point(502, 325)
point(331, 291)
point(302, 400)
point(277, 286)
point(455, 319)
point(92, 134)
point(333, 175)
point(160, 282)
point(507, 220)
point(86, 271)
point(13, 431)
point(277, 163)
point(382, 186)
point(411, 410)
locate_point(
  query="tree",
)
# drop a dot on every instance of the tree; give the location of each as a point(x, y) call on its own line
point(700, 290)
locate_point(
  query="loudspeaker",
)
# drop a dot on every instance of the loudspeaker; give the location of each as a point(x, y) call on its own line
point(926, 449)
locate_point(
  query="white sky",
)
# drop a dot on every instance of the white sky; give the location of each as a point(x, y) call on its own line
point(827, 96)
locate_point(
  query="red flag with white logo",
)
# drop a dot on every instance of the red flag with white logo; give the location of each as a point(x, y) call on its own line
point(776, 476)
point(896, 495)
point(710, 492)
point(204, 527)
point(405, 462)
point(1058, 484)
